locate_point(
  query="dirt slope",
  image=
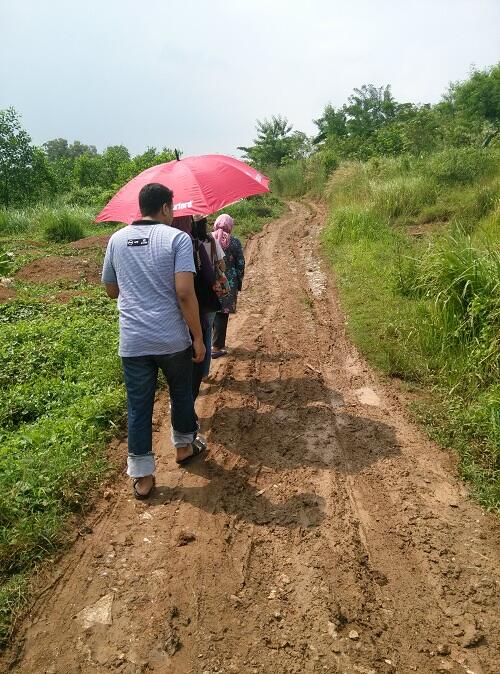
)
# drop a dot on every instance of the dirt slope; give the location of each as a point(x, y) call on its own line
point(322, 533)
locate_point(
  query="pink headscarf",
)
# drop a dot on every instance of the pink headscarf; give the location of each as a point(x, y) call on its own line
point(222, 230)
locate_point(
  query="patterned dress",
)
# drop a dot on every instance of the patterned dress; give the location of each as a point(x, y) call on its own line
point(235, 270)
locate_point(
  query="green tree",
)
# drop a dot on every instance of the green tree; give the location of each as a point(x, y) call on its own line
point(114, 158)
point(89, 171)
point(332, 123)
point(476, 103)
point(368, 109)
point(24, 173)
point(276, 143)
point(56, 149)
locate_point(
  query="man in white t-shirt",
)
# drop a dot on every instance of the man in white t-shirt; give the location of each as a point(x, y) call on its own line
point(149, 267)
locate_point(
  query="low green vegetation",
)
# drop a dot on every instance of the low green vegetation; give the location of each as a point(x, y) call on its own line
point(61, 399)
point(418, 264)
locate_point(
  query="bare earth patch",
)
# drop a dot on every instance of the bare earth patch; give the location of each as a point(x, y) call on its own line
point(6, 294)
point(53, 268)
point(98, 241)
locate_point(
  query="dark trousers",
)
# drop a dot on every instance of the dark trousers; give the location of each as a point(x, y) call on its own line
point(220, 330)
point(141, 374)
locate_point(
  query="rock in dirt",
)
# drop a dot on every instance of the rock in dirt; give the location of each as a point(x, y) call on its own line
point(332, 630)
point(443, 649)
point(337, 646)
point(353, 635)
point(172, 642)
point(184, 538)
point(472, 637)
point(99, 613)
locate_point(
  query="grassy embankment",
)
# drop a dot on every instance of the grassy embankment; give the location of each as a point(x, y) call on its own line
point(415, 244)
point(61, 392)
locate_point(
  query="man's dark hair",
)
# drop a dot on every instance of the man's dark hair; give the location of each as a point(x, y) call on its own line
point(152, 197)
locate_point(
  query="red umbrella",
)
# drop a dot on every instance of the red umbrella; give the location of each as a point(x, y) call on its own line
point(203, 185)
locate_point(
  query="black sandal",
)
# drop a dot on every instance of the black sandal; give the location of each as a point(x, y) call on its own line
point(199, 445)
point(142, 497)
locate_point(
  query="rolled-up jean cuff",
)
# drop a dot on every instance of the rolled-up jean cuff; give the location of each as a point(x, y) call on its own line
point(182, 439)
point(140, 465)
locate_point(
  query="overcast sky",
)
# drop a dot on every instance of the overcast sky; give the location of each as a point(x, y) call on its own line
point(196, 74)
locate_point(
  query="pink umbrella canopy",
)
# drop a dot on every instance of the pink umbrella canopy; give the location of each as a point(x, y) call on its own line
point(201, 185)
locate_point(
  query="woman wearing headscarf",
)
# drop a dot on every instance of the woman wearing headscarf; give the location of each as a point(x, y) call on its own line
point(216, 256)
point(235, 270)
point(204, 282)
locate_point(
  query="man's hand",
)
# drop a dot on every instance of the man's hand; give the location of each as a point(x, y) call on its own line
point(112, 290)
point(198, 350)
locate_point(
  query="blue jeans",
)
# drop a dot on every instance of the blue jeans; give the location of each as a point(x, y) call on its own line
point(141, 374)
point(207, 338)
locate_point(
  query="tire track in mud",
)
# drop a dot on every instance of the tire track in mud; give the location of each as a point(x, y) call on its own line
point(322, 532)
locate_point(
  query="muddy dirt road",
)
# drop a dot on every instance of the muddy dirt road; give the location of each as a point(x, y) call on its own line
point(322, 533)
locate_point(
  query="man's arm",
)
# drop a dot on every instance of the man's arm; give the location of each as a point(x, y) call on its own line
point(184, 288)
point(112, 290)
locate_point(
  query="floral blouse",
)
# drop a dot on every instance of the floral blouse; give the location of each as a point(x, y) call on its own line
point(235, 270)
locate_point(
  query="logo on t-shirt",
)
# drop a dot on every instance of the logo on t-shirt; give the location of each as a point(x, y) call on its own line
point(137, 242)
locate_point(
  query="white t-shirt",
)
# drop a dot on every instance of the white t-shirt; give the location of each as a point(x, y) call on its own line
point(143, 259)
point(219, 253)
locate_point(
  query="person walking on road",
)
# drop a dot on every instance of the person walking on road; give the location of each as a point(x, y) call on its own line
point(205, 284)
point(235, 271)
point(149, 267)
point(216, 255)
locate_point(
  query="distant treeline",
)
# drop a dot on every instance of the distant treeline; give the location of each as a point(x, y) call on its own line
point(373, 124)
point(74, 172)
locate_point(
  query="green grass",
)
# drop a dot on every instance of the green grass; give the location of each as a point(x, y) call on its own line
point(61, 398)
point(56, 223)
point(428, 310)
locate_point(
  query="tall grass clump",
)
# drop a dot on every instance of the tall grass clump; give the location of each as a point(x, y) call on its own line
point(289, 180)
point(402, 196)
point(354, 223)
point(461, 165)
point(462, 285)
point(15, 221)
point(62, 226)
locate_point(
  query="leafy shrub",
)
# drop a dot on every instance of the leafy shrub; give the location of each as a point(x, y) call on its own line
point(93, 197)
point(62, 226)
point(460, 165)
